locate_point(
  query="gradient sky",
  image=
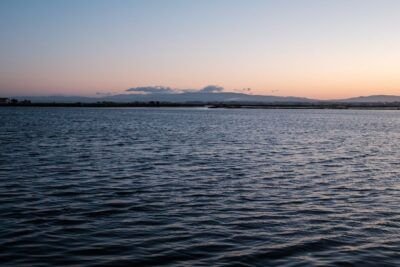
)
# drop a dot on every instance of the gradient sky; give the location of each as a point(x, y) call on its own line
point(313, 48)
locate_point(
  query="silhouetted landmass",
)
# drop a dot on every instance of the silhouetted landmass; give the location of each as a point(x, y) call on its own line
point(211, 97)
point(229, 105)
point(206, 95)
point(185, 97)
point(371, 99)
point(17, 103)
point(318, 105)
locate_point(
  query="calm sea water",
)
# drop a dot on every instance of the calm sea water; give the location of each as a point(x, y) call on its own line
point(200, 187)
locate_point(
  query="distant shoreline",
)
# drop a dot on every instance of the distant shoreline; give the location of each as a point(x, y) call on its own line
point(320, 105)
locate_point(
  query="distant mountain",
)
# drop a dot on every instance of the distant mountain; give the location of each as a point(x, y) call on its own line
point(371, 99)
point(171, 97)
point(204, 97)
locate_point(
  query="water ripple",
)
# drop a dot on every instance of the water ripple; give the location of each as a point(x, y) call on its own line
point(145, 187)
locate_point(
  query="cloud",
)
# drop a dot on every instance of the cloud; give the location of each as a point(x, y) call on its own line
point(169, 90)
point(211, 89)
point(152, 90)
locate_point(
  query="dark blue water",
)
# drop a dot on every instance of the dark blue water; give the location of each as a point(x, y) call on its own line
point(183, 187)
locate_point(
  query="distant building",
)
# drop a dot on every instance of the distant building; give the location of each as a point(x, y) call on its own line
point(4, 100)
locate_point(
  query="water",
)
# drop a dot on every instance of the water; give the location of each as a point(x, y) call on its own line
point(181, 187)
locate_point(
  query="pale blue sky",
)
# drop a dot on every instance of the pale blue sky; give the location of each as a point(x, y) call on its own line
point(311, 48)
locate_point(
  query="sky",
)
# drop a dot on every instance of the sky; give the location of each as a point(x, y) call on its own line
point(322, 49)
